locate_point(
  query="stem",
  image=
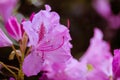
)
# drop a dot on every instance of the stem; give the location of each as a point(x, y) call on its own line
point(8, 69)
point(16, 53)
point(20, 73)
point(21, 59)
point(12, 67)
point(23, 46)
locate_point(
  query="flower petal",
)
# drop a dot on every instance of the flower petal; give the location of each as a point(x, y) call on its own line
point(4, 40)
point(102, 7)
point(33, 36)
point(14, 28)
point(32, 64)
point(116, 63)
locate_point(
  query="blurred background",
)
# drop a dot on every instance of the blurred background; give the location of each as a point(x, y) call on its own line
point(84, 16)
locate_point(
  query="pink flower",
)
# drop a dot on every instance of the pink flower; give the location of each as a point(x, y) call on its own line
point(74, 70)
point(116, 63)
point(49, 40)
point(6, 8)
point(95, 64)
point(14, 29)
point(98, 56)
point(4, 40)
point(102, 7)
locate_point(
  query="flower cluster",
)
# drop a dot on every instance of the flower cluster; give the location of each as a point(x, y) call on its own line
point(44, 48)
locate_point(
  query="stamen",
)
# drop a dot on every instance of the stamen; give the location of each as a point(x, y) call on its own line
point(90, 67)
point(68, 23)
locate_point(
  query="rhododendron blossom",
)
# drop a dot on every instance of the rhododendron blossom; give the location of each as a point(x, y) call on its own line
point(99, 49)
point(74, 70)
point(98, 56)
point(49, 40)
point(103, 8)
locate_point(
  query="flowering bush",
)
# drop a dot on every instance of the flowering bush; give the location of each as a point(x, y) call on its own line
point(44, 47)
